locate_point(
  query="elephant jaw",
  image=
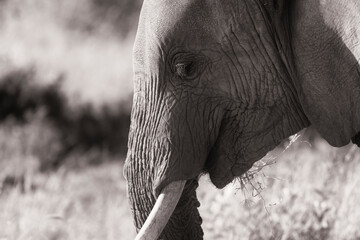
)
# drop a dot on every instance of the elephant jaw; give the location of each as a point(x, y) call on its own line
point(161, 212)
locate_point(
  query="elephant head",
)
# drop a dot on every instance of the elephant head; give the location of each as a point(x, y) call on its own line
point(219, 83)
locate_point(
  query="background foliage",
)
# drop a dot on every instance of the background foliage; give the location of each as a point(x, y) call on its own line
point(65, 100)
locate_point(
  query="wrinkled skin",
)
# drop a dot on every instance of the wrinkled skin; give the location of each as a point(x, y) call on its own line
point(219, 83)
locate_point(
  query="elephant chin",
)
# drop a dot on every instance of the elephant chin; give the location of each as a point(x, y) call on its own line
point(356, 139)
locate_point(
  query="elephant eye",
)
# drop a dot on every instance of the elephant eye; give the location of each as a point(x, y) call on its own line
point(188, 66)
point(185, 70)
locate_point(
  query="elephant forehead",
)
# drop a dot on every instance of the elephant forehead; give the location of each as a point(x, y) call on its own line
point(344, 19)
point(170, 18)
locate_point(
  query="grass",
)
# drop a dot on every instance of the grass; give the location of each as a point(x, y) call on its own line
point(85, 198)
point(310, 192)
point(69, 204)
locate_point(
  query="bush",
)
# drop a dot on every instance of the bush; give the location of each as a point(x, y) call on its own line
point(85, 16)
point(77, 128)
point(122, 14)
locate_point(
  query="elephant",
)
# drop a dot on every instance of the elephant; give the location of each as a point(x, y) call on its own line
point(220, 83)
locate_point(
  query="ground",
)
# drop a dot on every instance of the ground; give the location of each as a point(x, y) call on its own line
point(310, 192)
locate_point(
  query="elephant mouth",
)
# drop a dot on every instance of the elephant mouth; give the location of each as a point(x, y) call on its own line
point(356, 139)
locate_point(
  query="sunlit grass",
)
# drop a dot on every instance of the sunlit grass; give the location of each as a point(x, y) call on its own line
point(69, 204)
point(311, 192)
point(79, 200)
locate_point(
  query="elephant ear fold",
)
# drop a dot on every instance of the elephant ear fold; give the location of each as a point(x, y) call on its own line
point(326, 49)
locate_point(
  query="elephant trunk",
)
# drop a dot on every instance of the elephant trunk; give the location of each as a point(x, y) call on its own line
point(157, 159)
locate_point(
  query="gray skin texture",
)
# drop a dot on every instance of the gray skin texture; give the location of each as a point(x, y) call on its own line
point(219, 83)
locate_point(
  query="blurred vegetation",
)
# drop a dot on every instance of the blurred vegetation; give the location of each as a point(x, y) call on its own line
point(81, 127)
point(65, 100)
point(119, 17)
point(121, 13)
point(38, 86)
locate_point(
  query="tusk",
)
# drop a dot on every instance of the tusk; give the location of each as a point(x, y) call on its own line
point(161, 212)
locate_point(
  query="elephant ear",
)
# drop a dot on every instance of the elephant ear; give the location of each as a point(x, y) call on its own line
point(325, 39)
